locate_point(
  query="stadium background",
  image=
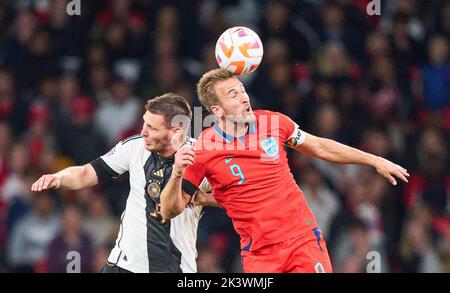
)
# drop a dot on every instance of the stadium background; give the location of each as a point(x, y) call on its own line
point(72, 86)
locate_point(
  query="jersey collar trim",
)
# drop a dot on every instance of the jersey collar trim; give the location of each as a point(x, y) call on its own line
point(230, 138)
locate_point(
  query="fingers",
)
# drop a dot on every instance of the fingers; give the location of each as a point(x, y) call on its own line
point(37, 185)
point(185, 156)
point(391, 179)
point(51, 182)
point(43, 183)
point(398, 172)
point(185, 151)
point(403, 170)
point(186, 159)
point(401, 173)
point(186, 163)
point(188, 151)
point(389, 169)
point(401, 176)
point(34, 186)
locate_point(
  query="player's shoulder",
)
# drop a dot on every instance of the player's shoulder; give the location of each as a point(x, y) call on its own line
point(259, 113)
point(264, 112)
point(132, 142)
point(282, 118)
point(267, 112)
point(205, 134)
point(128, 145)
point(132, 139)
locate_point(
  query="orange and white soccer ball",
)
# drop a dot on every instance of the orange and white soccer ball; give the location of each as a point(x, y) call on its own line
point(239, 50)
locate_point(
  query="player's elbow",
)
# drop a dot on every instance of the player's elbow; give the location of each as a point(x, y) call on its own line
point(170, 212)
point(87, 177)
point(314, 147)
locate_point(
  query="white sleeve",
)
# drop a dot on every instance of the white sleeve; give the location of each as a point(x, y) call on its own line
point(117, 160)
point(296, 138)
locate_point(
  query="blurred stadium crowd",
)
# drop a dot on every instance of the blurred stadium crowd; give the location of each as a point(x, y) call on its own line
point(72, 86)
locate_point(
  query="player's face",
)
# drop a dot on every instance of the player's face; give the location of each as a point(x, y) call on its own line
point(235, 102)
point(157, 135)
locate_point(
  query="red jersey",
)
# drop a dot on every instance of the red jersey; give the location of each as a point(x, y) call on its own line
point(250, 178)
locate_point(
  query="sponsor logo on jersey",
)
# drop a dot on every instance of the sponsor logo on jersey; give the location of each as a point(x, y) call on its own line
point(159, 173)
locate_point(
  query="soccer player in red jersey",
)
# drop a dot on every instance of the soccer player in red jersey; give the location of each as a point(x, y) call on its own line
point(244, 160)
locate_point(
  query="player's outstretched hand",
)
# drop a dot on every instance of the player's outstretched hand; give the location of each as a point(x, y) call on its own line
point(47, 181)
point(388, 170)
point(183, 158)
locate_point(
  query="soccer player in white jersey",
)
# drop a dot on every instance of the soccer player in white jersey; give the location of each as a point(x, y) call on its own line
point(146, 242)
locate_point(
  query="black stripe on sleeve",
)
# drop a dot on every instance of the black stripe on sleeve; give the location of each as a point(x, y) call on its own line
point(188, 187)
point(103, 171)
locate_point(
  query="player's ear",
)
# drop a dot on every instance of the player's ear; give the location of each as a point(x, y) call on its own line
point(217, 111)
point(176, 132)
point(176, 138)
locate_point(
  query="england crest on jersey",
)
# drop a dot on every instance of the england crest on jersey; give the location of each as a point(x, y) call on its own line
point(270, 146)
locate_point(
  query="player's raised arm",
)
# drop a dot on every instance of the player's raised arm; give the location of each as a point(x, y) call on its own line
point(75, 177)
point(173, 199)
point(332, 151)
point(110, 165)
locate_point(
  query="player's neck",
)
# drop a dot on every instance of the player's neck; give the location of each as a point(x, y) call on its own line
point(170, 150)
point(233, 128)
point(166, 154)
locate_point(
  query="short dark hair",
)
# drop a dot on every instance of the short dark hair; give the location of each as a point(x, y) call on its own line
point(169, 105)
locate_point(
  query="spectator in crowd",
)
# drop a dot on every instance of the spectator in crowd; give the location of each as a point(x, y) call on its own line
point(30, 238)
point(380, 83)
point(5, 148)
point(13, 107)
point(70, 238)
point(436, 75)
point(99, 223)
point(123, 106)
point(323, 202)
point(416, 251)
point(81, 130)
point(208, 261)
point(14, 190)
point(351, 250)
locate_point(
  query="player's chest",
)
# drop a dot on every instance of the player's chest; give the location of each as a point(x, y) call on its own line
point(151, 174)
point(245, 165)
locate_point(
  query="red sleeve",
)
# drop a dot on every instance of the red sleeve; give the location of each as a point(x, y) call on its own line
point(195, 173)
point(287, 127)
point(193, 176)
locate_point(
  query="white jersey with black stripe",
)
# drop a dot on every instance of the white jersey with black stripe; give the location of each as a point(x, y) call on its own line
point(145, 242)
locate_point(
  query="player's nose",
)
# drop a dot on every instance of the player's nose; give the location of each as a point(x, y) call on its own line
point(245, 99)
point(143, 132)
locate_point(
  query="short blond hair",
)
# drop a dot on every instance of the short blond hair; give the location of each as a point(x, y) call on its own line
point(205, 90)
